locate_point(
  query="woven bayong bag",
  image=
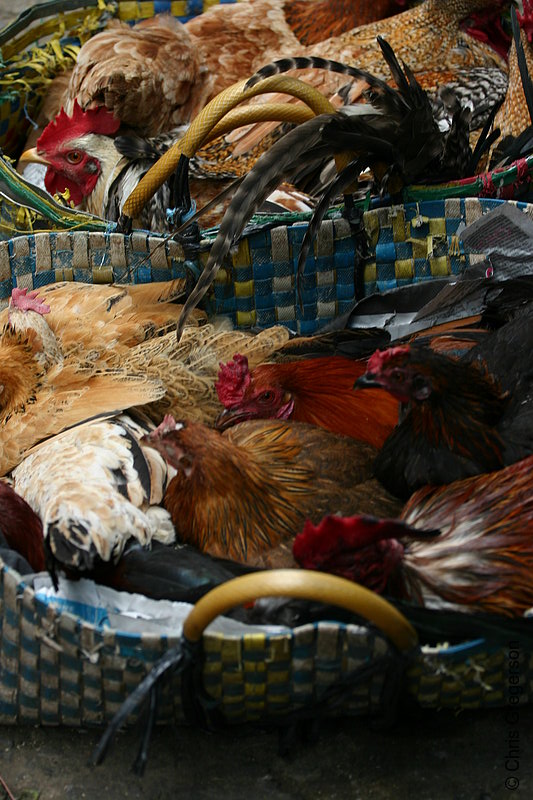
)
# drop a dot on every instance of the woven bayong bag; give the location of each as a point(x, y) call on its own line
point(57, 669)
point(394, 246)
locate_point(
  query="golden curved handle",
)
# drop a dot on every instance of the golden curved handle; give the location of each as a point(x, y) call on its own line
point(206, 120)
point(267, 112)
point(305, 584)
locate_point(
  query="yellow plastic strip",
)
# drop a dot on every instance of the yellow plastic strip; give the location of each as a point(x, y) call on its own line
point(307, 585)
point(79, 18)
point(206, 120)
point(278, 112)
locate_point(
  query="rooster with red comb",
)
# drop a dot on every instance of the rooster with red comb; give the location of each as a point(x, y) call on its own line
point(463, 416)
point(466, 546)
point(81, 158)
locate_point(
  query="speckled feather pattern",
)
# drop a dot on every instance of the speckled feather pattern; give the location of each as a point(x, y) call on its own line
point(483, 557)
point(94, 488)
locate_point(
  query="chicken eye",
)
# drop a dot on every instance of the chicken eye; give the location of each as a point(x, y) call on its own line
point(398, 376)
point(266, 397)
point(185, 462)
point(74, 156)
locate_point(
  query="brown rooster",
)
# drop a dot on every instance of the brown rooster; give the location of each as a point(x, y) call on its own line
point(160, 73)
point(433, 37)
point(44, 390)
point(245, 493)
point(464, 417)
point(466, 546)
point(318, 391)
point(188, 368)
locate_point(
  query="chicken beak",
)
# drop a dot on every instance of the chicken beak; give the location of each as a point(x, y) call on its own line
point(31, 156)
point(227, 418)
point(366, 381)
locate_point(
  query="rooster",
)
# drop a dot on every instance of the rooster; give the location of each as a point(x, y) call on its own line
point(97, 171)
point(465, 547)
point(245, 493)
point(44, 390)
point(463, 417)
point(188, 368)
point(94, 487)
point(381, 137)
point(318, 391)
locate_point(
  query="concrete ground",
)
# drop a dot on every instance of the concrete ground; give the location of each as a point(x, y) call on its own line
point(428, 755)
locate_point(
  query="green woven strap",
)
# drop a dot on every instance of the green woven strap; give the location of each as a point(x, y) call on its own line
point(40, 11)
point(17, 190)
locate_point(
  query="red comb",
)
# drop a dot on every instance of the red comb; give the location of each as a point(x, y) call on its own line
point(377, 361)
point(94, 120)
point(168, 424)
point(526, 19)
point(316, 544)
point(233, 380)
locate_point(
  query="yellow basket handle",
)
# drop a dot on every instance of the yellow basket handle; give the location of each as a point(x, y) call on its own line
point(307, 585)
point(199, 130)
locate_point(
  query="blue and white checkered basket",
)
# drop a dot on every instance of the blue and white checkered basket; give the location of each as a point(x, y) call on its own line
point(60, 667)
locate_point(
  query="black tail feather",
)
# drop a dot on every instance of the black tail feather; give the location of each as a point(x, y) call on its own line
point(522, 66)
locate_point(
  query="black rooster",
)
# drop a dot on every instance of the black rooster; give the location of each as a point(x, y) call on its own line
point(465, 416)
point(396, 136)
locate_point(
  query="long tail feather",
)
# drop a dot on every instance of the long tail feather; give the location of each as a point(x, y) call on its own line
point(522, 65)
point(314, 62)
point(278, 162)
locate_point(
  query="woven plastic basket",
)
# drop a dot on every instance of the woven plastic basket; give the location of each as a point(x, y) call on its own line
point(405, 244)
point(56, 668)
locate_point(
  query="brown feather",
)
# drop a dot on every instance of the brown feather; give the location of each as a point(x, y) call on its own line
point(243, 493)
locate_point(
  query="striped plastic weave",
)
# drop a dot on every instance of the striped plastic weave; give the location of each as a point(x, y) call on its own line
point(408, 243)
point(56, 668)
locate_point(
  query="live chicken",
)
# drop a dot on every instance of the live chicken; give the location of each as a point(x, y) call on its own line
point(318, 391)
point(397, 137)
point(466, 546)
point(245, 493)
point(462, 417)
point(94, 488)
